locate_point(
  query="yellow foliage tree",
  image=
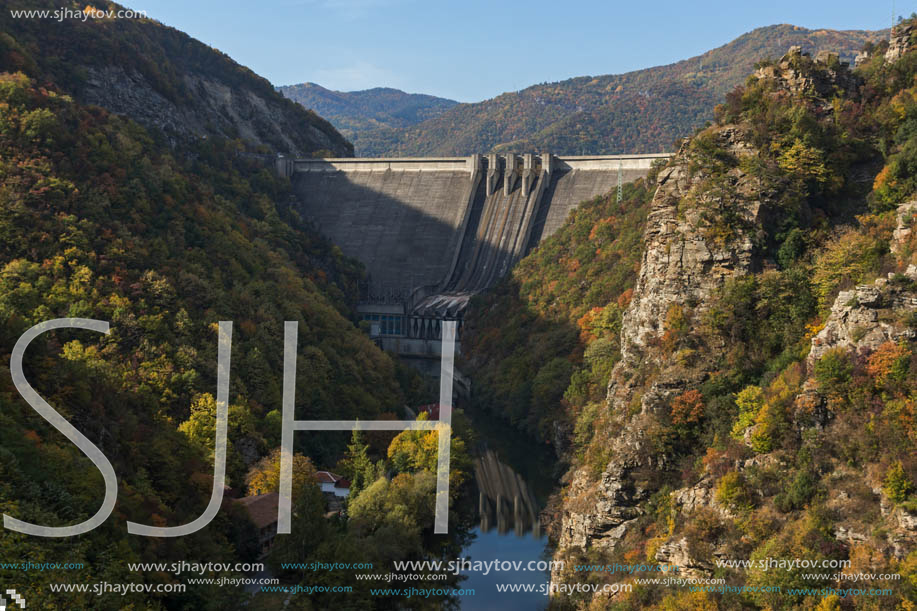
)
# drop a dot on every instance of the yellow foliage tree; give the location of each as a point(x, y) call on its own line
point(264, 476)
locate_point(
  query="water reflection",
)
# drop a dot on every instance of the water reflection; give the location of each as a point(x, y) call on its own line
point(513, 477)
point(505, 500)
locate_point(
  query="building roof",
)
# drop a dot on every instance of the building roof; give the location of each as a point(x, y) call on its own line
point(262, 509)
point(327, 477)
point(342, 483)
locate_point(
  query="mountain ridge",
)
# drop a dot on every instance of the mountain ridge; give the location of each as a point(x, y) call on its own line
point(641, 111)
point(353, 112)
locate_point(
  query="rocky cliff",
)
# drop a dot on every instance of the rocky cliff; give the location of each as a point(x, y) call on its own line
point(687, 256)
point(211, 107)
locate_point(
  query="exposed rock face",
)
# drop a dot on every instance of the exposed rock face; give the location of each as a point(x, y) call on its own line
point(899, 42)
point(902, 535)
point(677, 552)
point(699, 496)
point(213, 108)
point(857, 318)
point(790, 74)
point(906, 214)
point(870, 315)
point(683, 264)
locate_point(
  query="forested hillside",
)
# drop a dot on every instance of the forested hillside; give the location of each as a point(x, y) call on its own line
point(163, 236)
point(637, 112)
point(739, 382)
point(355, 113)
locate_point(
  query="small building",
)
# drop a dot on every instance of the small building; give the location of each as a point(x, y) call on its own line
point(342, 487)
point(262, 511)
point(333, 484)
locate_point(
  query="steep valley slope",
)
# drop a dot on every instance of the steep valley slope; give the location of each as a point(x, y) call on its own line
point(133, 193)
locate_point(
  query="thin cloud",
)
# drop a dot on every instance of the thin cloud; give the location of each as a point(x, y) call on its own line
point(360, 75)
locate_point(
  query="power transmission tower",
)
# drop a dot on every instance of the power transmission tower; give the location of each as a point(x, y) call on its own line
point(620, 181)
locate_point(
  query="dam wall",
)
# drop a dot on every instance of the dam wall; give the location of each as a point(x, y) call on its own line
point(579, 179)
point(400, 217)
point(432, 232)
point(448, 224)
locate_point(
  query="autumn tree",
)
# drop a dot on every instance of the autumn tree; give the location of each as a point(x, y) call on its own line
point(264, 476)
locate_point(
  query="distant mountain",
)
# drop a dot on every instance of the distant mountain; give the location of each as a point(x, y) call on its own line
point(161, 78)
point(637, 112)
point(359, 112)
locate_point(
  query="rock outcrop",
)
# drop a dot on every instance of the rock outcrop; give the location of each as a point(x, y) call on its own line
point(212, 107)
point(870, 315)
point(900, 42)
point(865, 317)
point(681, 264)
point(791, 74)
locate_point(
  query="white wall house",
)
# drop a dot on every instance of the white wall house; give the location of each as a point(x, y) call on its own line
point(332, 483)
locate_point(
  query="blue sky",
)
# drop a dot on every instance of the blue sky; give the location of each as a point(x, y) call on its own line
point(473, 50)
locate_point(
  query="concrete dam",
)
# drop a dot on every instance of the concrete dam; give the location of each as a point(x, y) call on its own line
point(432, 232)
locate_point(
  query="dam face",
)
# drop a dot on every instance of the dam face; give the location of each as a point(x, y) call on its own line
point(432, 232)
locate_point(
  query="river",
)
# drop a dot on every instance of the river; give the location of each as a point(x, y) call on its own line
point(513, 477)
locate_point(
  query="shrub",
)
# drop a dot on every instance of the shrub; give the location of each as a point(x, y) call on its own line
point(888, 361)
point(832, 370)
point(770, 423)
point(676, 326)
point(793, 245)
point(896, 181)
point(798, 493)
point(750, 400)
point(732, 492)
point(805, 162)
point(850, 258)
point(584, 427)
point(600, 322)
point(897, 484)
